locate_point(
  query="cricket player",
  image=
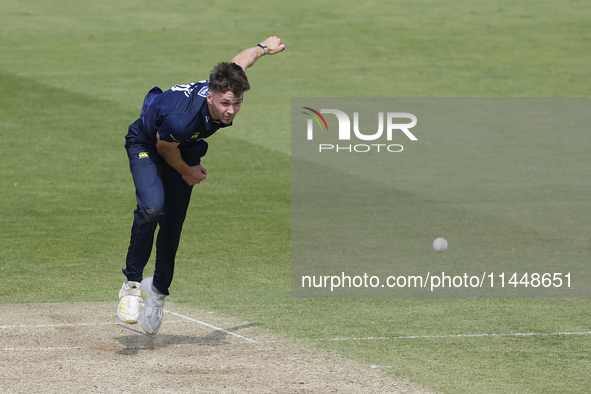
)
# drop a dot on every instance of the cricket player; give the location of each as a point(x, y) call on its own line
point(165, 146)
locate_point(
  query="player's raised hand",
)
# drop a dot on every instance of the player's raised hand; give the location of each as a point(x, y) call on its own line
point(249, 56)
point(274, 45)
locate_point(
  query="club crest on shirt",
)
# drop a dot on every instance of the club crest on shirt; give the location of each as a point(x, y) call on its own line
point(203, 91)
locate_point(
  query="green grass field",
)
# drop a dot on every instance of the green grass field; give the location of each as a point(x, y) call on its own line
point(73, 75)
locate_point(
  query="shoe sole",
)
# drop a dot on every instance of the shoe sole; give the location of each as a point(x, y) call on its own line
point(128, 320)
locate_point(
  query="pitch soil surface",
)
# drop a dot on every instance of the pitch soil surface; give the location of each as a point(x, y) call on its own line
point(83, 347)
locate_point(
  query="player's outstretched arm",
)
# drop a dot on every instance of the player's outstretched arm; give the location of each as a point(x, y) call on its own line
point(249, 56)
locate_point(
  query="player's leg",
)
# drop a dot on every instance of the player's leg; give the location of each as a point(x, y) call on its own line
point(155, 289)
point(145, 170)
point(177, 198)
point(144, 165)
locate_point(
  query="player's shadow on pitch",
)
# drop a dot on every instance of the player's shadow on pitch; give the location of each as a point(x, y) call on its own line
point(141, 341)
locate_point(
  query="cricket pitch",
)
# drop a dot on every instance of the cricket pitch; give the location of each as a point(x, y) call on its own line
point(83, 346)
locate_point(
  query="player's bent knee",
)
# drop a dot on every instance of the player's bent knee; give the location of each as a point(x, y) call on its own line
point(152, 214)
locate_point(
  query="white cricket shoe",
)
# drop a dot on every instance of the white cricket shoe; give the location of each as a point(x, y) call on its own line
point(130, 300)
point(153, 307)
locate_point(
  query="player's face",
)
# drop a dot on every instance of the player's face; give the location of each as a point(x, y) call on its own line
point(223, 106)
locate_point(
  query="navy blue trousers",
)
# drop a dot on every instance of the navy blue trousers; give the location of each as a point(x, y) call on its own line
point(162, 201)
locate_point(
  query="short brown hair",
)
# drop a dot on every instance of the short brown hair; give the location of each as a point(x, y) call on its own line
point(228, 76)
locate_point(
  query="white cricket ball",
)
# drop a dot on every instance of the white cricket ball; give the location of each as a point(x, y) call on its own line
point(440, 245)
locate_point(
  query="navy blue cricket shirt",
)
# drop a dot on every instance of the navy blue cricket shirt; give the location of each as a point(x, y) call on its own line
point(179, 114)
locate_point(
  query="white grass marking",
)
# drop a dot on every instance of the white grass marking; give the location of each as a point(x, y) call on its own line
point(210, 326)
point(516, 334)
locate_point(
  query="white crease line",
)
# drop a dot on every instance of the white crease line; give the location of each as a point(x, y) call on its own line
point(36, 349)
point(517, 334)
point(57, 325)
point(24, 349)
point(189, 319)
point(211, 326)
point(71, 325)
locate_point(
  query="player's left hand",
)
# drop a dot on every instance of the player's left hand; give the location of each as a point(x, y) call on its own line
point(274, 45)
